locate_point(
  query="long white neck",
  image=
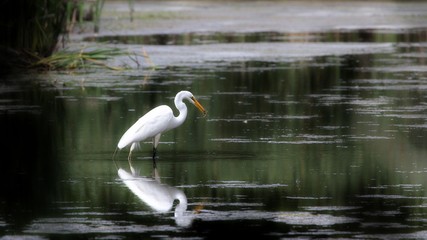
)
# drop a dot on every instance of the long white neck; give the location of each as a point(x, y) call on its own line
point(182, 108)
point(182, 218)
point(182, 205)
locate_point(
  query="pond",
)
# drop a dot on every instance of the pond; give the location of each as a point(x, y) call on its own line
point(316, 135)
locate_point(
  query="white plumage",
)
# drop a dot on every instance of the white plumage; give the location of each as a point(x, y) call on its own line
point(152, 123)
point(156, 122)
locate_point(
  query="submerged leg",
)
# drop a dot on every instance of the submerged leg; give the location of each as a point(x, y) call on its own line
point(154, 157)
point(132, 147)
point(114, 158)
point(156, 140)
point(130, 162)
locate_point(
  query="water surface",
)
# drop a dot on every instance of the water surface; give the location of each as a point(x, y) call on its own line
point(327, 143)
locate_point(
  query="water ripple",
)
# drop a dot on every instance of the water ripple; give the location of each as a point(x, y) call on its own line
point(235, 184)
point(88, 225)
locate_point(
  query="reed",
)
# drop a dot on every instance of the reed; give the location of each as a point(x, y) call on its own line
point(80, 12)
point(32, 29)
point(32, 26)
point(131, 9)
point(66, 60)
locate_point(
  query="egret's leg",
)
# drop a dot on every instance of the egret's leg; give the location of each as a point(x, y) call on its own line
point(114, 158)
point(130, 158)
point(154, 157)
point(155, 175)
point(156, 140)
point(132, 147)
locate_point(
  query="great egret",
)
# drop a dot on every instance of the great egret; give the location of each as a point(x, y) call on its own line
point(156, 122)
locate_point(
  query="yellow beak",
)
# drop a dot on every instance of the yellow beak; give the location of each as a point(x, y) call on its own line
point(199, 106)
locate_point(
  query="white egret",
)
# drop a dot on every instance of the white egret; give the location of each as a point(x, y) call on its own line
point(156, 122)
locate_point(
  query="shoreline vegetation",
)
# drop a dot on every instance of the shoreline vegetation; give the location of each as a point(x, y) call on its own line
point(36, 33)
point(31, 28)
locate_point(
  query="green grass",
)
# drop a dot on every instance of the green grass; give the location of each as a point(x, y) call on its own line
point(66, 60)
point(32, 31)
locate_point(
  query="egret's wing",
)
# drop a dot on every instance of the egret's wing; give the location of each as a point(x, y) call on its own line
point(156, 121)
point(157, 196)
point(152, 123)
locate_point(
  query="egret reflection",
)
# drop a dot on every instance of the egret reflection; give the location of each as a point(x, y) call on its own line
point(160, 197)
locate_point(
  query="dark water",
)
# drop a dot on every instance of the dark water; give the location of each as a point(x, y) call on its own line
point(359, 35)
point(329, 147)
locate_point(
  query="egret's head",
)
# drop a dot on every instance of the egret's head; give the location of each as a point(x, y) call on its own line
point(188, 95)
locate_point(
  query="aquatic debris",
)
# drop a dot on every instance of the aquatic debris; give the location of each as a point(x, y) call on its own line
point(308, 198)
point(299, 139)
point(291, 218)
point(12, 108)
point(135, 58)
point(306, 218)
point(370, 137)
point(80, 225)
point(331, 208)
point(385, 196)
point(236, 184)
